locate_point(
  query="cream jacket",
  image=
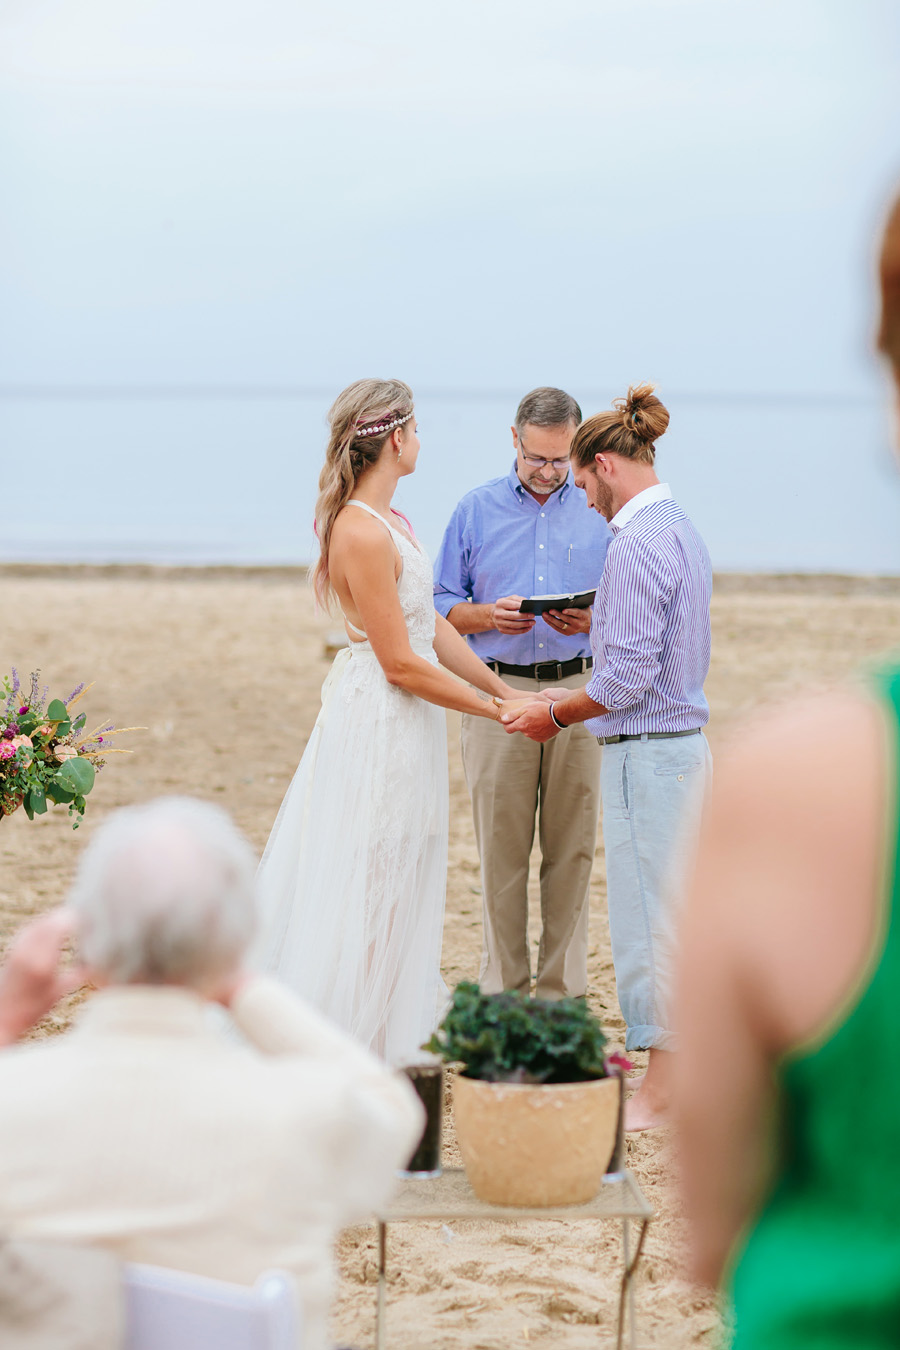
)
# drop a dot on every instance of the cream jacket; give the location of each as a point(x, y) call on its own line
point(146, 1131)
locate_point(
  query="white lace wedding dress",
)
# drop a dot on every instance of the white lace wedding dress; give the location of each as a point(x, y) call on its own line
point(352, 882)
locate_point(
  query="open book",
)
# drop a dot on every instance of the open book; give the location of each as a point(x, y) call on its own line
point(537, 604)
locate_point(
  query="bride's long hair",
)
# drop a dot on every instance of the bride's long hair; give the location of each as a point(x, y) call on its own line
point(348, 455)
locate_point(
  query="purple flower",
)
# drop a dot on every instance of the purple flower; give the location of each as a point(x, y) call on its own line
point(10, 731)
point(15, 675)
point(74, 694)
point(23, 710)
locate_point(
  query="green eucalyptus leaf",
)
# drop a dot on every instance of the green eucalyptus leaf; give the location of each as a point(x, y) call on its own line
point(76, 776)
point(56, 711)
point(37, 800)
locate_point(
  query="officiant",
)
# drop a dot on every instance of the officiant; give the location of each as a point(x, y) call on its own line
point(529, 532)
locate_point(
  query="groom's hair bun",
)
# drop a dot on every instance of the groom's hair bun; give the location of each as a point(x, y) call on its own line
point(642, 413)
point(629, 430)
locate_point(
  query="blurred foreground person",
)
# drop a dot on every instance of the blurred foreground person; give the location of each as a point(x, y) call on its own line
point(789, 1081)
point(147, 1132)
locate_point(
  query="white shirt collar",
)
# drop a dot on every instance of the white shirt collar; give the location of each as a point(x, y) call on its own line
point(659, 492)
point(163, 1010)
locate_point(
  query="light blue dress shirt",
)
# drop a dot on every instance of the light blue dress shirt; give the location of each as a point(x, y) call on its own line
point(500, 541)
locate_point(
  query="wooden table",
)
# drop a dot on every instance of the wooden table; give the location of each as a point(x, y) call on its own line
point(449, 1197)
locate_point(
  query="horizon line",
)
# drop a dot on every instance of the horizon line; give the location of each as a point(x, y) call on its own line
point(251, 392)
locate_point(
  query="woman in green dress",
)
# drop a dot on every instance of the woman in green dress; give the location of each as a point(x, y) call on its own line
point(789, 1077)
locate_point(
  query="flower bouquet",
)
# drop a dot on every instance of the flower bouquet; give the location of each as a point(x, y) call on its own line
point(45, 753)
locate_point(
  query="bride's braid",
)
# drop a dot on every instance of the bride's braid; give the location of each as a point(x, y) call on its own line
point(360, 419)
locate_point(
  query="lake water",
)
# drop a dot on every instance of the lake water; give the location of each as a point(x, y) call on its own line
point(774, 485)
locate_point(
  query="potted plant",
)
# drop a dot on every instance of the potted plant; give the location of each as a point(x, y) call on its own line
point(537, 1099)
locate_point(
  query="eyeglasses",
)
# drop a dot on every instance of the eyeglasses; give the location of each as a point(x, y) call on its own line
point(543, 463)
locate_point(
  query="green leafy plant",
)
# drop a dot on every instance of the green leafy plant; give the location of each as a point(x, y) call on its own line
point(510, 1038)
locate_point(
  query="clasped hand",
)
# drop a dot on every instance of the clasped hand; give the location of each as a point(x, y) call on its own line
point(532, 716)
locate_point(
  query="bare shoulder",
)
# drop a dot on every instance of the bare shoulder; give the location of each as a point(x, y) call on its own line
point(814, 750)
point(356, 533)
point(788, 878)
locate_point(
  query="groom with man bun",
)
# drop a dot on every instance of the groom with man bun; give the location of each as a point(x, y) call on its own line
point(529, 532)
point(644, 703)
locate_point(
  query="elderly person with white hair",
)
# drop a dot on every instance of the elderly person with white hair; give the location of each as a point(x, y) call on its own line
point(147, 1131)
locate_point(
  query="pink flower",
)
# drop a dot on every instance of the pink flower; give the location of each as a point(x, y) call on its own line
point(22, 740)
point(64, 752)
point(44, 730)
point(7, 750)
point(618, 1061)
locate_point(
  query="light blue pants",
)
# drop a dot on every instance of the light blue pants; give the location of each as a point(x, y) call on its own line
point(652, 796)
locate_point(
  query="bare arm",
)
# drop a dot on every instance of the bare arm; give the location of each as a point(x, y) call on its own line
point(363, 563)
point(724, 1090)
point(455, 654)
point(781, 916)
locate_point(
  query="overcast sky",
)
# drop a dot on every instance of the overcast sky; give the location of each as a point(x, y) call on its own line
point(483, 195)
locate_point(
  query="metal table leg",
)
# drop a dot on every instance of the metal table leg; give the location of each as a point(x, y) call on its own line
point(626, 1292)
point(382, 1285)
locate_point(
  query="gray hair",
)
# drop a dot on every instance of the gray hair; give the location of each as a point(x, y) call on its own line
point(547, 407)
point(164, 894)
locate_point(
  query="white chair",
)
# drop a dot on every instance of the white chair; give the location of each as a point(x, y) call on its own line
point(172, 1310)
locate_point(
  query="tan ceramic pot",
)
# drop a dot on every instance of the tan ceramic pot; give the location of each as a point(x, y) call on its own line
point(527, 1145)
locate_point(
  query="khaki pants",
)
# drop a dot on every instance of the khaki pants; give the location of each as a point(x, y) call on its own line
point(511, 781)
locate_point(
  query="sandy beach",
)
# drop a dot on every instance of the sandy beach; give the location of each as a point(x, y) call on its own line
point(223, 668)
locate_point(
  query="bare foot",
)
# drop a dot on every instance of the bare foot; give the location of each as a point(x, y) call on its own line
point(642, 1114)
point(648, 1108)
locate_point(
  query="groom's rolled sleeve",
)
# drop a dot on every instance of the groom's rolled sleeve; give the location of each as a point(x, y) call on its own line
point(452, 582)
point(630, 652)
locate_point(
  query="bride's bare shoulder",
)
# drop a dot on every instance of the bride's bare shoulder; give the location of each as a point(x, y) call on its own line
point(358, 530)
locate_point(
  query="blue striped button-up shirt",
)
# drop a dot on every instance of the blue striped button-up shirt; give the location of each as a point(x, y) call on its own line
point(501, 541)
point(650, 631)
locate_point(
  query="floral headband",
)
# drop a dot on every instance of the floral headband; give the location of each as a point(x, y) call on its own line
point(376, 428)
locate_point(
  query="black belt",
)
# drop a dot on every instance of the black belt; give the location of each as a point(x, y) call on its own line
point(648, 735)
point(544, 670)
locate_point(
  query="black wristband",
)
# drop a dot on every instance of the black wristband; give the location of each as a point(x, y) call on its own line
point(555, 720)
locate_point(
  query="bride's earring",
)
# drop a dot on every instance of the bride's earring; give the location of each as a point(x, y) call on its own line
point(399, 452)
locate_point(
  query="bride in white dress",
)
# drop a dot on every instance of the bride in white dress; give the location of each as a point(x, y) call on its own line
point(352, 882)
